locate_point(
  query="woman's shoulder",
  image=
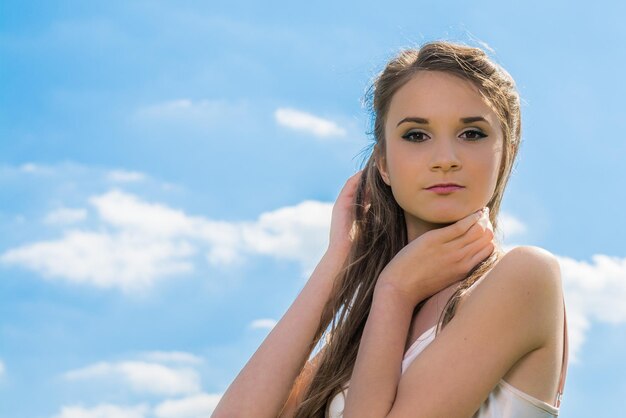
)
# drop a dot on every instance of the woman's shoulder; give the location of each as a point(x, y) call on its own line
point(531, 252)
point(527, 276)
point(533, 266)
point(522, 263)
point(530, 266)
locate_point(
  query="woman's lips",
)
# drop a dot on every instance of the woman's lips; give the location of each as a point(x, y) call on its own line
point(444, 189)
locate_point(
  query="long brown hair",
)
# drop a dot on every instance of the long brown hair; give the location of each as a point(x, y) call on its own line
point(380, 229)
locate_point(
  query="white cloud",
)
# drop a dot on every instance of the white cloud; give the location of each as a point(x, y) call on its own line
point(125, 260)
point(142, 377)
point(189, 114)
point(103, 411)
point(139, 242)
point(68, 177)
point(172, 357)
point(2, 368)
point(509, 225)
point(295, 232)
point(128, 212)
point(65, 216)
point(263, 323)
point(593, 291)
point(147, 379)
point(124, 176)
point(33, 168)
point(169, 107)
point(196, 406)
point(303, 121)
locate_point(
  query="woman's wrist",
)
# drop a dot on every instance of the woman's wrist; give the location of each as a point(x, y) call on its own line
point(328, 269)
point(385, 290)
point(336, 255)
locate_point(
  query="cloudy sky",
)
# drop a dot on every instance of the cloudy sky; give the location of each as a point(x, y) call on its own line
point(168, 169)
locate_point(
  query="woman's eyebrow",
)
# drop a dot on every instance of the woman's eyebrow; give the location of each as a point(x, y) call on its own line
point(424, 121)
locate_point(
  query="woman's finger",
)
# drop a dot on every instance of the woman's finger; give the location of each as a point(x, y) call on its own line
point(352, 181)
point(451, 232)
point(474, 247)
point(482, 254)
point(475, 233)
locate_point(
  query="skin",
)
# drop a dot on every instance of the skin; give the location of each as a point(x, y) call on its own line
point(445, 150)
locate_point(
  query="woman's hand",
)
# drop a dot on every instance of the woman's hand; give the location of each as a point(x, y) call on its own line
point(438, 258)
point(343, 217)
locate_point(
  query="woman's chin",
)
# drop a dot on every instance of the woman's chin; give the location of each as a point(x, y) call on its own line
point(439, 221)
point(447, 216)
point(444, 222)
point(443, 217)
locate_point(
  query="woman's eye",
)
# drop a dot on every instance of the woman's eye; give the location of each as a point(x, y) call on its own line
point(411, 136)
point(416, 136)
point(473, 132)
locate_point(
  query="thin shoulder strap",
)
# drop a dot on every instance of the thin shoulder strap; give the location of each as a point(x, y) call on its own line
point(559, 394)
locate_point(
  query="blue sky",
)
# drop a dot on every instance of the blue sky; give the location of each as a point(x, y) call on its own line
point(167, 172)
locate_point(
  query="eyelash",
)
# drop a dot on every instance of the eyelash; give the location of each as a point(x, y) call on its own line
point(408, 134)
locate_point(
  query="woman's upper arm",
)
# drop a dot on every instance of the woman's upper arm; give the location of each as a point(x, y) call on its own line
point(302, 382)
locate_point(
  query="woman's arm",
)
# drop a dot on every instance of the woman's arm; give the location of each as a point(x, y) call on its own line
point(411, 276)
point(263, 386)
point(514, 311)
point(377, 369)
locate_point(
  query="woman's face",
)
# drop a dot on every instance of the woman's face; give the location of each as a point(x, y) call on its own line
point(428, 142)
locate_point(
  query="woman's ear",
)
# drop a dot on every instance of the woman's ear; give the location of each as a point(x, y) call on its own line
point(381, 164)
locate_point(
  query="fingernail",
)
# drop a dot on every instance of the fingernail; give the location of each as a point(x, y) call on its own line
point(485, 222)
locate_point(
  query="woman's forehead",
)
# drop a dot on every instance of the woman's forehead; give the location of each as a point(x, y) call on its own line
point(440, 97)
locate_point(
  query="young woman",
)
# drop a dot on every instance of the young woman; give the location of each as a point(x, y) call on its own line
point(428, 316)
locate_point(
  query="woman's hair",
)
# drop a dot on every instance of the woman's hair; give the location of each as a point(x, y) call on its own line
point(380, 229)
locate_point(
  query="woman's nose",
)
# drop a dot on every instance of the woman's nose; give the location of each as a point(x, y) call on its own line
point(444, 156)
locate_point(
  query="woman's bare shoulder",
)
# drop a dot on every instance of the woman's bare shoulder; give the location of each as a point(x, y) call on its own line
point(531, 251)
point(528, 258)
point(535, 262)
point(530, 266)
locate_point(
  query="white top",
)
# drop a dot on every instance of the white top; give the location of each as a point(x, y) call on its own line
point(504, 401)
